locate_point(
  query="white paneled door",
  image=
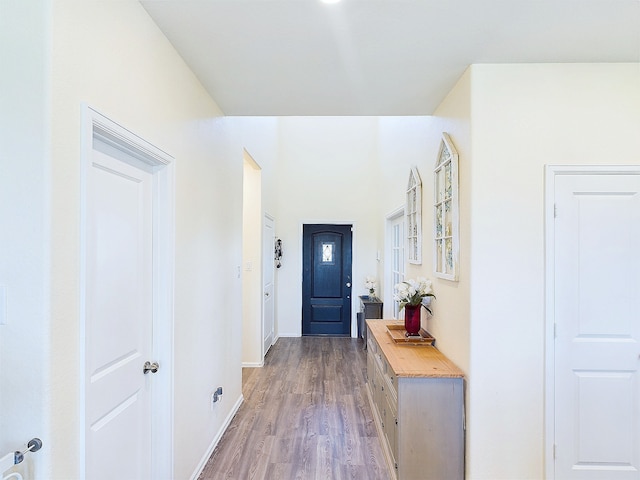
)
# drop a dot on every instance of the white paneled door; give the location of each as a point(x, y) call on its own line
point(394, 263)
point(596, 293)
point(268, 310)
point(119, 319)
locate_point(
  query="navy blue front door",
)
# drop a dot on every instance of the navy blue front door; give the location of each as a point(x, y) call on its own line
point(326, 280)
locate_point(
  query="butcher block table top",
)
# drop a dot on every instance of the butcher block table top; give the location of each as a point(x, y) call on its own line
point(412, 360)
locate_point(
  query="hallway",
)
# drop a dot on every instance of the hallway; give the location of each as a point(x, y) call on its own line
point(305, 416)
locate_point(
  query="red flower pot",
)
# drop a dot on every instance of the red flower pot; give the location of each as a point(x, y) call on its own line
point(412, 319)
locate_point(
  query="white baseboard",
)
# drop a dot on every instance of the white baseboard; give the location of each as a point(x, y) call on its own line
point(252, 364)
point(283, 335)
point(216, 439)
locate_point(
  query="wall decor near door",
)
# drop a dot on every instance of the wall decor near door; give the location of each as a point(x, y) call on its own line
point(278, 253)
point(326, 280)
point(445, 215)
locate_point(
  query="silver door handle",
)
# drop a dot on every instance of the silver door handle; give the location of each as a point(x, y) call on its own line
point(348, 284)
point(150, 367)
point(266, 294)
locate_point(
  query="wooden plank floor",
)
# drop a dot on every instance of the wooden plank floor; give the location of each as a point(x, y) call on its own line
point(305, 416)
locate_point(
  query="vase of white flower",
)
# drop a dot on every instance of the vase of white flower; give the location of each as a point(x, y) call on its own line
point(370, 284)
point(411, 295)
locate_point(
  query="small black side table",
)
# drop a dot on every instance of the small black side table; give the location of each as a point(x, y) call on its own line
point(370, 307)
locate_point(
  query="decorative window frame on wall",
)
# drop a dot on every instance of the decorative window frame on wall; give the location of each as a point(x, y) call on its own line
point(446, 239)
point(413, 217)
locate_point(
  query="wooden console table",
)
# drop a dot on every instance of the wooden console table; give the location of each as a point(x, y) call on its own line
point(417, 398)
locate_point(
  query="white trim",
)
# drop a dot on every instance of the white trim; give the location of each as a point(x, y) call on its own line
point(252, 364)
point(151, 158)
point(205, 458)
point(549, 424)
point(551, 171)
point(116, 136)
point(287, 335)
point(594, 169)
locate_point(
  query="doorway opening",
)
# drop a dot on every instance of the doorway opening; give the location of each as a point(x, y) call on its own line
point(252, 339)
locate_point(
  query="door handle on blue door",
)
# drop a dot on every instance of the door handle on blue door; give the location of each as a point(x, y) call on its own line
point(348, 284)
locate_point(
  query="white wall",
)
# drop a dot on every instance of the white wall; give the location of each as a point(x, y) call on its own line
point(507, 122)
point(356, 169)
point(523, 117)
point(24, 256)
point(112, 56)
point(451, 321)
point(327, 173)
point(414, 141)
point(259, 138)
point(404, 142)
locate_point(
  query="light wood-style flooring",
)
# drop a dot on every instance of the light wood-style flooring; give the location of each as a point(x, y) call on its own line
point(305, 416)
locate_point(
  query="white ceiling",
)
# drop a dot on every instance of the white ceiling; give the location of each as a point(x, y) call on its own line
point(379, 57)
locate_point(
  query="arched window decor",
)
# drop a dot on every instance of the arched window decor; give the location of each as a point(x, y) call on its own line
point(445, 215)
point(413, 215)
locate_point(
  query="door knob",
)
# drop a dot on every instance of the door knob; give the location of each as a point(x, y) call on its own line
point(348, 284)
point(150, 367)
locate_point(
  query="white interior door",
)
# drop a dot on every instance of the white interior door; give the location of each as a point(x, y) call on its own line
point(394, 262)
point(268, 310)
point(119, 319)
point(597, 322)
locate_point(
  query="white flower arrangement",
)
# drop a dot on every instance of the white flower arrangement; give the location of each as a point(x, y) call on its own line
point(370, 284)
point(412, 292)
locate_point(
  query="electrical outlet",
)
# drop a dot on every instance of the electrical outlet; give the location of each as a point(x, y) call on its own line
point(216, 396)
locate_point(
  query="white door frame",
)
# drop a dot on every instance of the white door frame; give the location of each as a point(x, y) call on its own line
point(551, 171)
point(388, 280)
point(98, 126)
